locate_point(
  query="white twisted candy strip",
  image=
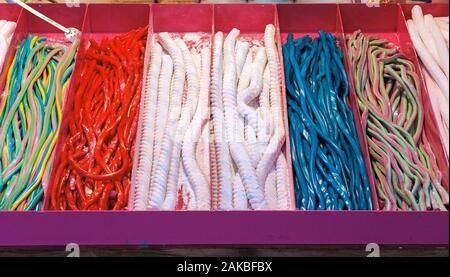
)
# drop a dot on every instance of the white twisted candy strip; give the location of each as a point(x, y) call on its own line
point(192, 136)
point(252, 92)
point(439, 106)
point(439, 41)
point(238, 151)
point(162, 110)
point(186, 117)
point(282, 185)
point(425, 35)
point(270, 189)
point(264, 104)
point(196, 57)
point(240, 200)
point(203, 150)
point(273, 150)
point(221, 146)
point(443, 27)
point(145, 148)
point(246, 73)
point(246, 96)
point(159, 179)
point(187, 192)
point(179, 72)
point(6, 33)
point(242, 50)
point(426, 58)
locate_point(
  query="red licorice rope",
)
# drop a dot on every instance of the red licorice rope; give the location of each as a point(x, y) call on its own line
point(95, 168)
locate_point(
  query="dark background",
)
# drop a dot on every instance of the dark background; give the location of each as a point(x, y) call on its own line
point(230, 251)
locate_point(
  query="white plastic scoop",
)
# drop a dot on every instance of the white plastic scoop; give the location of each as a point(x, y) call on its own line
point(71, 33)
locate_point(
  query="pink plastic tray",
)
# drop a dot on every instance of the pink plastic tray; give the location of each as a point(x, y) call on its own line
point(388, 22)
point(248, 228)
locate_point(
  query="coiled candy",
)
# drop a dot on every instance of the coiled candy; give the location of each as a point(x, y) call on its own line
point(248, 127)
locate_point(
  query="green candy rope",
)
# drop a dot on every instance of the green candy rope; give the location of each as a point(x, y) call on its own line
point(30, 117)
point(388, 93)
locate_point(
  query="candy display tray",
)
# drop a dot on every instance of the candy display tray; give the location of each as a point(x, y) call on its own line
point(233, 227)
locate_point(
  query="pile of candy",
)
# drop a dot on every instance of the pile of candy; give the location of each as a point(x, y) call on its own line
point(248, 124)
point(95, 168)
point(172, 170)
point(327, 161)
point(30, 117)
point(389, 97)
point(430, 38)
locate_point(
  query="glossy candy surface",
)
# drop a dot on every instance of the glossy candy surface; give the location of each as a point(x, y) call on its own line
point(389, 97)
point(95, 168)
point(30, 116)
point(327, 161)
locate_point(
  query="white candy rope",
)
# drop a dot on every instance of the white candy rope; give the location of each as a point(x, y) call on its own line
point(187, 192)
point(439, 42)
point(240, 200)
point(158, 188)
point(146, 147)
point(253, 91)
point(273, 150)
point(237, 148)
point(440, 108)
point(428, 61)
point(419, 23)
point(162, 109)
point(248, 104)
point(282, 186)
point(6, 32)
point(242, 50)
point(192, 136)
point(246, 74)
point(270, 189)
point(430, 38)
point(186, 117)
point(224, 167)
point(248, 165)
point(203, 150)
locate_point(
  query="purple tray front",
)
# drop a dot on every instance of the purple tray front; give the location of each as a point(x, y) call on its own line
point(48, 228)
point(243, 228)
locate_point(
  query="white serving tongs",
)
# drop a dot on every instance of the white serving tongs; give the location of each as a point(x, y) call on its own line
point(71, 33)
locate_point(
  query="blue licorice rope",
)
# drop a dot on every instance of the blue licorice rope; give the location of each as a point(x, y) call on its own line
point(327, 160)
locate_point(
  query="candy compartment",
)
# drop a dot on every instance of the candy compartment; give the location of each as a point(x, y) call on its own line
point(172, 116)
point(300, 20)
point(28, 24)
point(97, 26)
point(252, 30)
point(388, 22)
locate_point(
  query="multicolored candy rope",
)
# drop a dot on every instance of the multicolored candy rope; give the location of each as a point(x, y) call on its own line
point(30, 116)
point(327, 160)
point(388, 92)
